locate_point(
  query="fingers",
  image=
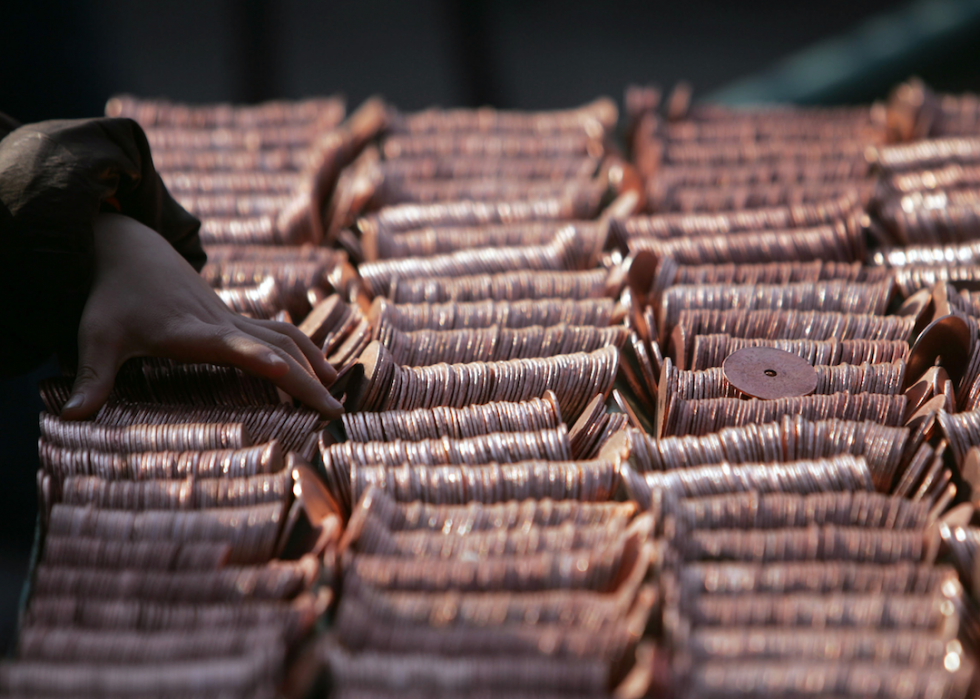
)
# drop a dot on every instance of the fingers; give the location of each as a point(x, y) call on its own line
point(307, 388)
point(225, 345)
point(148, 300)
point(98, 362)
point(260, 351)
point(228, 345)
point(294, 341)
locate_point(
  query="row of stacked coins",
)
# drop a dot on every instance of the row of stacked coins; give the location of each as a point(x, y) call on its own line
point(867, 377)
point(774, 592)
point(156, 549)
point(775, 415)
point(928, 223)
point(554, 593)
point(496, 350)
point(710, 160)
point(233, 167)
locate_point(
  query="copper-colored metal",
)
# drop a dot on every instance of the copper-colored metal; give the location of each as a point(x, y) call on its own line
point(948, 338)
point(766, 372)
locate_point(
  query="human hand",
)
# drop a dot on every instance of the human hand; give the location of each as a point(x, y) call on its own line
point(146, 300)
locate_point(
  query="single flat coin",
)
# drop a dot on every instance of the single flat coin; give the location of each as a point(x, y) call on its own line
point(948, 338)
point(769, 373)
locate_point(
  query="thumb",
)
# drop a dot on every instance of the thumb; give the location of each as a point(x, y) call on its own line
point(97, 367)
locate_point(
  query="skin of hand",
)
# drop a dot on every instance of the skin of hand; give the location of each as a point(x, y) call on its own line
point(146, 300)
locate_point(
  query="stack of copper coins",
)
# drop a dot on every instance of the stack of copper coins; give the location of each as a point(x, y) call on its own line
point(777, 593)
point(801, 301)
point(492, 597)
point(710, 159)
point(182, 552)
point(234, 167)
point(704, 424)
point(484, 250)
point(485, 394)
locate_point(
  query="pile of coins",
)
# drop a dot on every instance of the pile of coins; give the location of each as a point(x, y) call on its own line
point(507, 286)
point(883, 378)
point(564, 253)
point(705, 423)
point(786, 380)
point(458, 423)
point(842, 296)
point(382, 384)
point(670, 273)
point(838, 242)
point(707, 415)
point(709, 160)
point(785, 325)
point(884, 448)
point(167, 538)
point(300, 277)
point(776, 592)
point(711, 350)
point(496, 344)
point(235, 167)
point(598, 312)
point(491, 596)
point(447, 239)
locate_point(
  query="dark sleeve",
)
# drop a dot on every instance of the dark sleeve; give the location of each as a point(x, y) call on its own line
point(55, 177)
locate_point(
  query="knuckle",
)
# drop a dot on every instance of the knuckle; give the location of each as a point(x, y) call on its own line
point(224, 334)
point(88, 374)
point(283, 342)
point(284, 329)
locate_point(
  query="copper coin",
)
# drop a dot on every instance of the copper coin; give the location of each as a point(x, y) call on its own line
point(948, 337)
point(767, 372)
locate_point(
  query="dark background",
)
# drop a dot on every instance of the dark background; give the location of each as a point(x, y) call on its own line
point(64, 59)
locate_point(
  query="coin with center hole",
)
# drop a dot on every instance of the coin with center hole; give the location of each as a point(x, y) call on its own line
point(767, 372)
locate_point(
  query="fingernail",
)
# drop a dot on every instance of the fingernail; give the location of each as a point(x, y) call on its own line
point(333, 405)
point(74, 402)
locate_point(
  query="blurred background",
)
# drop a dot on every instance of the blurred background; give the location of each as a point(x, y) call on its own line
point(65, 58)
